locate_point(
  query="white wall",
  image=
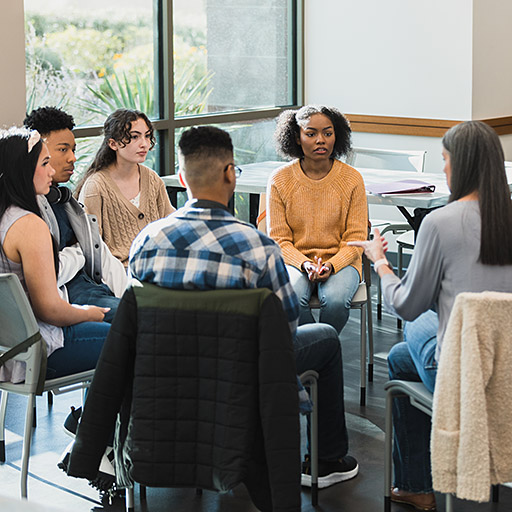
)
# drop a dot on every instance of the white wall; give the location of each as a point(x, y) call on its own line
point(12, 63)
point(395, 58)
point(421, 58)
point(492, 72)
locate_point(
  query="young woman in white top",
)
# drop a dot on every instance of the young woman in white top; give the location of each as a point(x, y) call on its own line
point(74, 334)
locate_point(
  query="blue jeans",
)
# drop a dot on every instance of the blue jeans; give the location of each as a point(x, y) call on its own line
point(83, 290)
point(82, 347)
point(334, 295)
point(413, 360)
point(318, 348)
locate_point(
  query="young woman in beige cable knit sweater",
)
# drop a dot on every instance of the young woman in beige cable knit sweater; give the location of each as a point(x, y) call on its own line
point(123, 194)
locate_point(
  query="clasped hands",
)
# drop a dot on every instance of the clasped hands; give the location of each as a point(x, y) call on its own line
point(317, 271)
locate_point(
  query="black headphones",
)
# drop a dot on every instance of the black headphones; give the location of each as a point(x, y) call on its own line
point(58, 195)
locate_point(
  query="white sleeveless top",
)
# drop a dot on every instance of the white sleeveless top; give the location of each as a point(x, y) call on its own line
point(14, 371)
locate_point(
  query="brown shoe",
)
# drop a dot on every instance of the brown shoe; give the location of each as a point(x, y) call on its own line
point(419, 501)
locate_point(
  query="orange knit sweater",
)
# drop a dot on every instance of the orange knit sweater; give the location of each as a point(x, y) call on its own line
point(310, 218)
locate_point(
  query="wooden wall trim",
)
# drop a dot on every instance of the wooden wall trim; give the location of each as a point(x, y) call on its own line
point(418, 126)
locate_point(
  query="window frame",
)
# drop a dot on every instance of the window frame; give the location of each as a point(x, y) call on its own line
point(167, 123)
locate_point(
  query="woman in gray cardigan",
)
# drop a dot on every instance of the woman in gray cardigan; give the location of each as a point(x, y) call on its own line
point(464, 247)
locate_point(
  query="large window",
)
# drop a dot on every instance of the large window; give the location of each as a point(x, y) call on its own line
point(233, 63)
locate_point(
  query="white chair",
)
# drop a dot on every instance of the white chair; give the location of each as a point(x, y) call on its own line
point(374, 158)
point(20, 340)
point(362, 301)
point(403, 160)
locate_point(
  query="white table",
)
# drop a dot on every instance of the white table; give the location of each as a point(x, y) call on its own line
point(255, 176)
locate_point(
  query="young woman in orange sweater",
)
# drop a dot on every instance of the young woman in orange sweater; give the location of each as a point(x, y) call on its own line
point(315, 205)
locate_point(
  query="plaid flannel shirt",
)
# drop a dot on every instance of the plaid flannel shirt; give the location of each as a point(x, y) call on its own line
point(199, 248)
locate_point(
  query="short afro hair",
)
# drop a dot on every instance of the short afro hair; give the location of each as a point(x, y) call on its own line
point(205, 141)
point(49, 119)
point(288, 130)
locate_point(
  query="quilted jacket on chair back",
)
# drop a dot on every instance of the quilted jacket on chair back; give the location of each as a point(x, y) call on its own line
point(205, 383)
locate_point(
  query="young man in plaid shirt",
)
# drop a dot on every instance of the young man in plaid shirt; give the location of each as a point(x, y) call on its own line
point(203, 247)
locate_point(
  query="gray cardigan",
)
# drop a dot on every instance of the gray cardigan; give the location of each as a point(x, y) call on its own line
point(100, 264)
point(444, 264)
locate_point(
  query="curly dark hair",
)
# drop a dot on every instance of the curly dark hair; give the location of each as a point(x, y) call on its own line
point(288, 130)
point(205, 141)
point(49, 119)
point(117, 126)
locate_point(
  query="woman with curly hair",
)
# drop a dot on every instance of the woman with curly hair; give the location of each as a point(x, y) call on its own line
point(315, 205)
point(122, 193)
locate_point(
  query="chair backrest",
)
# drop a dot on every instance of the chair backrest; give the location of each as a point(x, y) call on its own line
point(18, 323)
point(472, 407)
point(213, 386)
point(372, 158)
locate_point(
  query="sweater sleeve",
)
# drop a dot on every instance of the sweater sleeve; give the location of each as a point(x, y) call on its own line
point(419, 288)
point(91, 198)
point(357, 229)
point(164, 204)
point(279, 229)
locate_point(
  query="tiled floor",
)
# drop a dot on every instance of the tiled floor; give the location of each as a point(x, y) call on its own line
point(51, 487)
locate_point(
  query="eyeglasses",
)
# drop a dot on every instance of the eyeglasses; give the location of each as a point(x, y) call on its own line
point(238, 170)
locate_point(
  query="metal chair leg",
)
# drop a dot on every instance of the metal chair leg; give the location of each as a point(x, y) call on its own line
point(449, 503)
point(130, 499)
point(27, 439)
point(3, 409)
point(369, 315)
point(362, 398)
point(310, 379)
point(388, 442)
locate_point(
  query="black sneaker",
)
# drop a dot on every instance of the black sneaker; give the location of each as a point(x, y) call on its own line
point(71, 423)
point(330, 472)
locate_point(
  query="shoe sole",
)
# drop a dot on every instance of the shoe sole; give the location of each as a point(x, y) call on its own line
point(333, 478)
point(404, 500)
point(68, 432)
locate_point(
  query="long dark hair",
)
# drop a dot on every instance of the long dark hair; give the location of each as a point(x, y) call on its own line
point(117, 126)
point(288, 130)
point(477, 164)
point(17, 167)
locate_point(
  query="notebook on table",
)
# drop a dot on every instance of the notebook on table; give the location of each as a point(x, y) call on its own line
point(401, 187)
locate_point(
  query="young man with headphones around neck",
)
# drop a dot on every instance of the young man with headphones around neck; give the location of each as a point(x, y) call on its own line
point(88, 273)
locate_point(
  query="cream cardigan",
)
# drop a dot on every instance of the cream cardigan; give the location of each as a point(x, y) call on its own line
point(119, 220)
point(471, 444)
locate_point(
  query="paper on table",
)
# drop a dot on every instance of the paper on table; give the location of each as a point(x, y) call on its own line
point(400, 187)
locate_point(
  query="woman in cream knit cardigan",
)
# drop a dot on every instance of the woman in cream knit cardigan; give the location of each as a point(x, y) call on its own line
point(315, 205)
point(123, 194)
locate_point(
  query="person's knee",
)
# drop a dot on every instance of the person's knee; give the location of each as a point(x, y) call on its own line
point(398, 360)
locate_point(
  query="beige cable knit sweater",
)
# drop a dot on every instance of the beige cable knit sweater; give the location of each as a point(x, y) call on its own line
point(471, 444)
point(119, 220)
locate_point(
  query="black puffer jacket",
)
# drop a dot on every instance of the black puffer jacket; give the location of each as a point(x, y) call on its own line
point(205, 383)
